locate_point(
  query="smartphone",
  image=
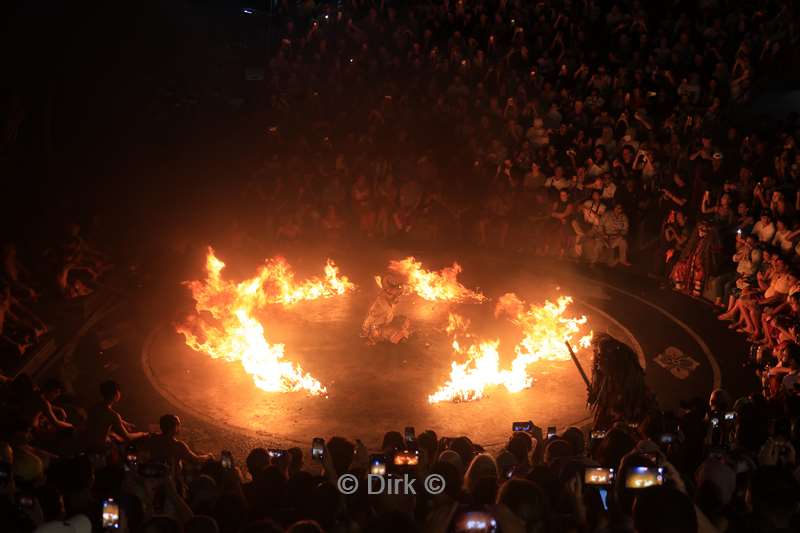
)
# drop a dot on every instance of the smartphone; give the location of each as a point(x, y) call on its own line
point(598, 434)
point(276, 454)
point(377, 464)
point(110, 514)
point(730, 416)
point(409, 435)
point(226, 458)
point(317, 448)
point(522, 426)
point(475, 522)
point(598, 476)
point(641, 477)
point(406, 458)
point(551, 432)
point(633, 425)
point(667, 438)
point(715, 422)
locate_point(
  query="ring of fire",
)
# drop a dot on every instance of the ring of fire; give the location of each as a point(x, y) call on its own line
point(225, 326)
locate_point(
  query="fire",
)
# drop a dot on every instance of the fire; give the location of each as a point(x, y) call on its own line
point(544, 329)
point(441, 286)
point(234, 334)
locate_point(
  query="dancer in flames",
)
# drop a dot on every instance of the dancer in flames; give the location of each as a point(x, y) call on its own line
point(381, 324)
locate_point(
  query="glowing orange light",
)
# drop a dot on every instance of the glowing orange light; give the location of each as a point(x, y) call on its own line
point(232, 333)
point(544, 330)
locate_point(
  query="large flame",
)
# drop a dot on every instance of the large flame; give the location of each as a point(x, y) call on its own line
point(544, 329)
point(234, 334)
point(441, 286)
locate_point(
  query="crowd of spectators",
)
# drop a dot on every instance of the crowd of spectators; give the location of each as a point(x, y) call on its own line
point(68, 268)
point(715, 466)
point(599, 132)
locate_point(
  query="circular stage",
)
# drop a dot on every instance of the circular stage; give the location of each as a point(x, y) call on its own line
point(372, 389)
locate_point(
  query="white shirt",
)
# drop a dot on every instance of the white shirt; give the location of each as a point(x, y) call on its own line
point(558, 183)
point(609, 190)
point(765, 232)
point(781, 240)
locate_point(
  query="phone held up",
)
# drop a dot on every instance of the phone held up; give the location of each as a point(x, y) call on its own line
point(318, 449)
point(110, 514)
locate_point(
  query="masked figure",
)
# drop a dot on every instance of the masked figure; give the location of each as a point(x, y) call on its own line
point(618, 391)
point(381, 323)
point(697, 261)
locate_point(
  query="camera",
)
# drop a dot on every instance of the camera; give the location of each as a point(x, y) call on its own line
point(641, 477)
point(598, 476)
point(667, 438)
point(598, 434)
point(318, 448)
point(551, 432)
point(730, 416)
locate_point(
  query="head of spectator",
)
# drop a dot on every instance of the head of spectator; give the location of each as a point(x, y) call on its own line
point(428, 441)
point(557, 449)
point(664, 509)
point(482, 466)
point(451, 457)
point(464, 448)
point(341, 451)
point(528, 502)
point(716, 484)
point(110, 392)
point(521, 444)
point(453, 478)
point(296, 460)
point(170, 425)
point(719, 401)
point(392, 442)
point(576, 438)
point(52, 389)
point(257, 460)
